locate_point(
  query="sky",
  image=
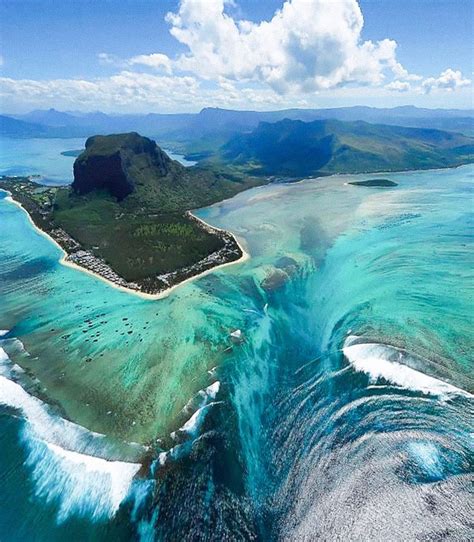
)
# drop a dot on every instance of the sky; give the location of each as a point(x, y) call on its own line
point(181, 55)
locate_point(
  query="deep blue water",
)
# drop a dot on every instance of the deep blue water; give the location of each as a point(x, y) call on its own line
point(345, 414)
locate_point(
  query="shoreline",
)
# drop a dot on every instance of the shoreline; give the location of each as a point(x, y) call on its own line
point(161, 295)
point(245, 255)
point(397, 171)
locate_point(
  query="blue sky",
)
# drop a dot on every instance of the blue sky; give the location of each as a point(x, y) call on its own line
point(128, 55)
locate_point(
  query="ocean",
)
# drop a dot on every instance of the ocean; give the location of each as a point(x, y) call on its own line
point(345, 411)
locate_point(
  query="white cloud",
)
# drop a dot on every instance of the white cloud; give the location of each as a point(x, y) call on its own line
point(448, 80)
point(129, 91)
point(306, 46)
point(157, 61)
point(106, 58)
point(399, 86)
point(309, 54)
point(136, 91)
point(401, 73)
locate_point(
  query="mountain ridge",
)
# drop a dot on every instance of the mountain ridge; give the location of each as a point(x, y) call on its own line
point(183, 128)
point(295, 148)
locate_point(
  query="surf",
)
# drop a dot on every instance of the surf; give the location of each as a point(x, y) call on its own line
point(386, 362)
point(76, 469)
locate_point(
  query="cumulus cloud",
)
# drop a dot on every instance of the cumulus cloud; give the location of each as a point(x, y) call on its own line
point(399, 86)
point(125, 89)
point(448, 80)
point(402, 74)
point(310, 53)
point(136, 92)
point(157, 61)
point(306, 46)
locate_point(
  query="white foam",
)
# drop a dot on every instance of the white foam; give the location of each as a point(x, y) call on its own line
point(17, 346)
point(80, 484)
point(64, 458)
point(3, 355)
point(212, 390)
point(192, 426)
point(195, 421)
point(3, 332)
point(379, 361)
point(175, 452)
point(120, 473)
point(202, 396)
point(45, 425)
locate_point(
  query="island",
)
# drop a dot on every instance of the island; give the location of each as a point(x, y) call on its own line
point(74, 153)
point(377, 183)
point(127, 215)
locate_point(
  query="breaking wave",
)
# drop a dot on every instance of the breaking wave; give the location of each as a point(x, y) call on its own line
point(381, 361)
point(75, 468)
point(203, 400)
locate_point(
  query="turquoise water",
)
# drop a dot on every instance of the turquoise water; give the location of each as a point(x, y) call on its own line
point(43, 157)
point(347, 411)
point(39, 157)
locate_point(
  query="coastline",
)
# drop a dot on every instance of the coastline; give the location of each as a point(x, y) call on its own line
point(164, 293)
point(245, 255)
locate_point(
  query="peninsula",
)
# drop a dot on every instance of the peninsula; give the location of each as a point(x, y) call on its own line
point(127, 215)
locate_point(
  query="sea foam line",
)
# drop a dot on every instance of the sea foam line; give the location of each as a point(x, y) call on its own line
point(64, 457)
point(190, 428)
point(383, 361)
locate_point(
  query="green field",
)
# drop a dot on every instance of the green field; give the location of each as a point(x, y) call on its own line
point(136, 244)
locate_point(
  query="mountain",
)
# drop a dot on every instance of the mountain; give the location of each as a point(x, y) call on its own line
point(211, 127)
point(86, 124)
point(117, 163)
point(296, 148)
point(50, 117)
point(15, 128)
point(10, 127)
point(126, 215)
point(134, 168)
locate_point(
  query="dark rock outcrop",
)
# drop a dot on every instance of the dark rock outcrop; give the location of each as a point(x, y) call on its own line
point(116, 162)
point(377, 183)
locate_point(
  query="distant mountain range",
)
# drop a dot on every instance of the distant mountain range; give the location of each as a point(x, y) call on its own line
point(296, 148)
point(214, 125)
point(14, 128)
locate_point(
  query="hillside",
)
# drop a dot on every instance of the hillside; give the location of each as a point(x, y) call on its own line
point(296, 148)
point(134, 166)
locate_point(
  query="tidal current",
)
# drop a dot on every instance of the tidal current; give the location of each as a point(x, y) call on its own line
point(344, 412)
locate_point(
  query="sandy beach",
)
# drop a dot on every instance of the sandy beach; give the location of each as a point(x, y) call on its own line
point(165, 293)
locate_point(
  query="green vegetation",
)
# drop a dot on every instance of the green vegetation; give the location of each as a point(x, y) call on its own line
point(134, 169)
point(295, 148)
point(378, 183)
point(128, 203)
point(136, 243)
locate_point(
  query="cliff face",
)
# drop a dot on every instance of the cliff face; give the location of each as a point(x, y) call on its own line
point(117, 162)
point(142, 178)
